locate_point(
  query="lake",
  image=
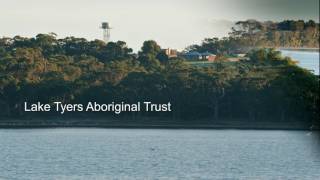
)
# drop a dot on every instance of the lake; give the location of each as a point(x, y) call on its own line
point(306, 59)
point(89, 153)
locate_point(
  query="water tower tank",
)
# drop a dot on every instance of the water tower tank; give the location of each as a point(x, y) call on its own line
point(105, 25)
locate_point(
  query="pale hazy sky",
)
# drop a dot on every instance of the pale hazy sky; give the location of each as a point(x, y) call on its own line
point(172, 23)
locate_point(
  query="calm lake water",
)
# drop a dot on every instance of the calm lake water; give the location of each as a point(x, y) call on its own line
point(158, 154)
point(307, 59)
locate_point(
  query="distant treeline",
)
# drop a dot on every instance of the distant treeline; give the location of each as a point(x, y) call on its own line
point(249, 34)
point(268, 87)
point(282, 34)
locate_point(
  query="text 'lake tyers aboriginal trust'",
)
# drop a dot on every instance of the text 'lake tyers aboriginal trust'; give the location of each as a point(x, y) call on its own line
point(117, 108)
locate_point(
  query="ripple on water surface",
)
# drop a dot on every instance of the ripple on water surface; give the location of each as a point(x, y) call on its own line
point(155, 154)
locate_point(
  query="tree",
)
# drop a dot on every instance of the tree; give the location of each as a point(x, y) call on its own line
point(148, 56)
point(47, 43)
point(150, 48)
point(115, 51)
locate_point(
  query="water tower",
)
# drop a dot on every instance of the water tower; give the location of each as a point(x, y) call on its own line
point(106, 31)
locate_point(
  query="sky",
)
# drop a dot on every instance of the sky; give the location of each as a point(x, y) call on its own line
point(172, 23)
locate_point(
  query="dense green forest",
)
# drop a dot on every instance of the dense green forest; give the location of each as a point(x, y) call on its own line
point(249, 34)
point(268, 87)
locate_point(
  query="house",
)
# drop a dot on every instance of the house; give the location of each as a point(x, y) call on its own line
point(171, 53)
point(192, 55)
point(208, 56)
point(196, 56)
